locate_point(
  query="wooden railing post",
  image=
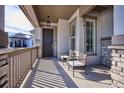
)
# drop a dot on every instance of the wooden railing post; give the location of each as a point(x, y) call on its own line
point(37, 52)
point(31, 59)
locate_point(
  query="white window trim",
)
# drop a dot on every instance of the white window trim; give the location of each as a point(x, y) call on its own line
point(71, 37)
point(95, 36)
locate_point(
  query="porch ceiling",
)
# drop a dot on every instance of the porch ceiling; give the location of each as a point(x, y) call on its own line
point(54, 11)
point(99, 8)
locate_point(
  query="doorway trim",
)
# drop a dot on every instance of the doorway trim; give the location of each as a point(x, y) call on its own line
point(54, 27)
point(52, 41)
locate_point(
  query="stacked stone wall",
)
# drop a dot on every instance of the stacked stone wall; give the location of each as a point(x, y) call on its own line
point(105, 53)
point(117, 68)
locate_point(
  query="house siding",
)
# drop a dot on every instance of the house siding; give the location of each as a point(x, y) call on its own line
point(106, 27)
point(106, 22)
point(117, 68)
point(118, 17)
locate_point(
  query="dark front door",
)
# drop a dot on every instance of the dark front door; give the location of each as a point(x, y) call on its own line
point(47, 43)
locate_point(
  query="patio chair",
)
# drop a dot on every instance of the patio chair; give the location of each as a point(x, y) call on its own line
point(77, 61)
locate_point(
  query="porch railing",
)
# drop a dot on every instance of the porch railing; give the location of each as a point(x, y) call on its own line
point(14, 66)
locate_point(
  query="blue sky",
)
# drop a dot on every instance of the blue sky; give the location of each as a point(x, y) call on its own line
point(16, 21)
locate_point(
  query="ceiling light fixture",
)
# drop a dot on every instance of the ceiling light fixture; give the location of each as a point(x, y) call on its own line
point(48, 22)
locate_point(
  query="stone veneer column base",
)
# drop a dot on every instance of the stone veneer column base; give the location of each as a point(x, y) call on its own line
point(117, 58)
point(117, 68)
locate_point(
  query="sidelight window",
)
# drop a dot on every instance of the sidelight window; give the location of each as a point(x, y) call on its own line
point(90, 36)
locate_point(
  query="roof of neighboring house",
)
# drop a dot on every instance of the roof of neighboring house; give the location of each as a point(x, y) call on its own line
point(20, 35)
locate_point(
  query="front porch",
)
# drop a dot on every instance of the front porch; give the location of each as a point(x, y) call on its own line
point(86, 29)
point(51, 73)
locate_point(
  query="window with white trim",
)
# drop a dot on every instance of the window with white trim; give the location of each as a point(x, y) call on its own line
point(72, 35)
point(90, 36)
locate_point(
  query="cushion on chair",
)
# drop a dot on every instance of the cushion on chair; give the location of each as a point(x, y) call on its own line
point(76, 63)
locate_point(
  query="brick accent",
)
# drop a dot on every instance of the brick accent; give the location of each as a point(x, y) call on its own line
point(105, 53)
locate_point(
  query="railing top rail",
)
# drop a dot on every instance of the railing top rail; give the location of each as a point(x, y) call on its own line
point(17, 50)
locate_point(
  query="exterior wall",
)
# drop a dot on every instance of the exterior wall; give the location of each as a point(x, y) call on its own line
point(104, 29)
point(117, 68)
point(62, 37)
point(106, 24)
point(2, 21)
point(93, 58)
point(80, 30)
point(118, 22)
point(107, 28)
point(80, 38)
point(104, 33)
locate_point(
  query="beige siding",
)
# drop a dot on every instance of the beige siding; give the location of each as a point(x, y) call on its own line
point(106, 19)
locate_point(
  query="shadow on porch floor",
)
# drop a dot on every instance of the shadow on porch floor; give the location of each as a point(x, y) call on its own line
point(50, 73)
point(96, 73)
point(98, 76)
point(47, 73)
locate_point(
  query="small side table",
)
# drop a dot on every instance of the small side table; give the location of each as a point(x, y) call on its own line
point(64, 58)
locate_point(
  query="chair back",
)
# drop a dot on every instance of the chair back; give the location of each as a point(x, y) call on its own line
point(83, 58)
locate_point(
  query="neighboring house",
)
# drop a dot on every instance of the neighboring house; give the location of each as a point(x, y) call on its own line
point(20, 40)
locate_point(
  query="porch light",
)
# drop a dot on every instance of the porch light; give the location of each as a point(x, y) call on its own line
point(48, 22)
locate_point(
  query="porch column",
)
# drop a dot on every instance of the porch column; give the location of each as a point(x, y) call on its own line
point(117, 68)
point(37, 39)
point(13, 40)
point(2, 21)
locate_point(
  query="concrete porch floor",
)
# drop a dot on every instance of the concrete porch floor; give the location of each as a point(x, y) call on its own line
point(51, 73)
